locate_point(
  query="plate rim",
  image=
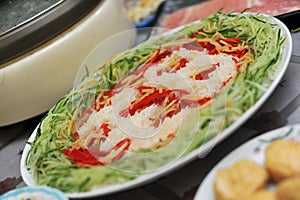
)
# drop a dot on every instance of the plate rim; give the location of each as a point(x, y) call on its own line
point(33, 189)
point(193, 155)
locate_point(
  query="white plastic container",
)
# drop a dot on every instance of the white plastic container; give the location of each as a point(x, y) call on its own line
point(33, 83)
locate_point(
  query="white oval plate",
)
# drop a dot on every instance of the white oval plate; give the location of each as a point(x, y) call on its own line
point(150, 177)
point(253, 150)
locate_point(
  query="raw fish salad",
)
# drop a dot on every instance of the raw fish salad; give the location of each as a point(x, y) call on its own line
point(156, 102)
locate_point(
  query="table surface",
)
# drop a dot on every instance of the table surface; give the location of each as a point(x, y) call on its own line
point(182, 183)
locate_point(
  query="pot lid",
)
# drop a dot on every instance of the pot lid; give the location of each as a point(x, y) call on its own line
point(26, 24)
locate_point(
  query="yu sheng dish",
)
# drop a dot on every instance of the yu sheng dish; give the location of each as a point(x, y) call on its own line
point(136, 113)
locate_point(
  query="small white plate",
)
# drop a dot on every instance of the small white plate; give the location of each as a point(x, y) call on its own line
point(35, 192)
point(253, 150)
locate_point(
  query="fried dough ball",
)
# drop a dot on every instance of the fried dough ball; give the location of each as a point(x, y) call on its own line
point(239, 181)
point(263, 195)
point(289, 189)
point(283, 159)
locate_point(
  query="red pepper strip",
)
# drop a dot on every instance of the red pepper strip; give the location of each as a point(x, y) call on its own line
point(155, 98)
point(196, 102)
point(182, 63)
point(153, 59)
point(149, 100)
point(142, 87)
point(242, 53)
point(104, 125)
point(236, 63)
point(174, 68)
point(123, 151)
point(159, 73)
point(117, 146)
point(163, 55)
point(196, 33)
point(111, 93)
point(100, 154)
point(216, 64)
point(177, 110)
point(231, 40)
point(140, 70)
point(82, 157)
point(212, 52)
point(176, 94)
point(225, 82)
point(204, 74)
point(204, 100)
point(170, 136)
point(105, 129)
point(235, 60)
point(144, 67)
point(234, 42)
point(207, 45)
point(120, 144)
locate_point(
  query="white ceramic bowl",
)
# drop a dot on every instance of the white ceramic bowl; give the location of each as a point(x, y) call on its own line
point(35, 192)
point(32, 84)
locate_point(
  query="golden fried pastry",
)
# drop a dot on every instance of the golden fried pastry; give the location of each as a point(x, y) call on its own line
point(263, 195)
point(283, 159)
point(289, 189)
point(239, 181)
